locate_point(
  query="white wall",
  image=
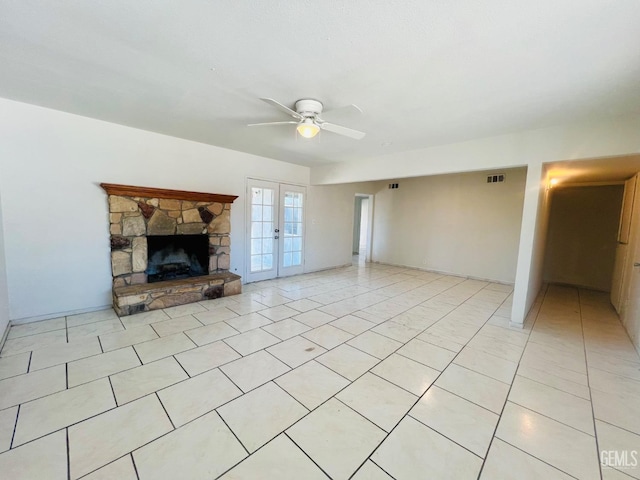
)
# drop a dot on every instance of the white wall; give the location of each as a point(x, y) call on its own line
point(457, 224)
point(55, 214)
point(329, 239)
point(533, 232)
point(4, 293)
point(581, 241)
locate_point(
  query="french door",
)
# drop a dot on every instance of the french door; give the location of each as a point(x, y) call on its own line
point(275, 230)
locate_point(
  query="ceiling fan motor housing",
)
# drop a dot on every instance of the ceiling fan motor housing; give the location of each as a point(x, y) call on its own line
point(308, 107)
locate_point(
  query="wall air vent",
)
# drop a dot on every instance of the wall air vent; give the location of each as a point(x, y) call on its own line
point(496, 178)
point(393, 185)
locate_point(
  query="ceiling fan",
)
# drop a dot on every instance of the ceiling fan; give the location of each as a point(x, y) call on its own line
point(307, 114)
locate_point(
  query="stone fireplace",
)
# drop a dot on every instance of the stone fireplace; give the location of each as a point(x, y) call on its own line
point(168, 247)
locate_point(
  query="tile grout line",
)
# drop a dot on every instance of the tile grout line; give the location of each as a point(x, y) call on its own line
point(586, 361)
point(113, 392)
point(536, 458)
point(480, 457)
point(429, 387)
point(135, 467)
point(233, 433)
point(234, 384)
point(556, 388)
point(29, 364)
point(372, 461)
point(551, 418)
point(181, 366)
point(506, 400)
point(165, 411)
point(306, 454)
point(68, 454)
point(15, 427)
point(620, 428)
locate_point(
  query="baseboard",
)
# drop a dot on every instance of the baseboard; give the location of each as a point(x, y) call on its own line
point(49, 316)
point(575, 285)
point(324, 269)
point(442, 272)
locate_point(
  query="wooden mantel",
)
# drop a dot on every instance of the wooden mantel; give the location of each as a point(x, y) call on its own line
point(132, 191)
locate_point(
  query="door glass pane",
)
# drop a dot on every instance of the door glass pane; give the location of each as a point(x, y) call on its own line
point(293, 212)
point(256, 229)
point(288, 199)
point(256, 245)
point(256, 263)
point(256, 213)
point(267, 245)
point(267, 213)
point(262, 229)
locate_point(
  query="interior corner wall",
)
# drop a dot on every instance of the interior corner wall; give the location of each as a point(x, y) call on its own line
point(582, 236)
point(533, 234)
point(56, 227)
point(330, 219)
point(457, 224)
point(4, 293)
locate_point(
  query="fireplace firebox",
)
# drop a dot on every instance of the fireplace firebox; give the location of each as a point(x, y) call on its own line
point(171, 257)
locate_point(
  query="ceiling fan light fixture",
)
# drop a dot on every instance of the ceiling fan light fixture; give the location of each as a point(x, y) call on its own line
point(308, 129)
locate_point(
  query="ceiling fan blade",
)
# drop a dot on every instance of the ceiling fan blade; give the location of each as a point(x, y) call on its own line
point(283, 108)
point(340, 130)
point(271, 123)
point(347, 110)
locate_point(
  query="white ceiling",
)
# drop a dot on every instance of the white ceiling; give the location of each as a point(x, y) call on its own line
point(425, 72)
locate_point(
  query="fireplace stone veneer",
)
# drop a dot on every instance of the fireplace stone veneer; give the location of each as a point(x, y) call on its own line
point(136, 213)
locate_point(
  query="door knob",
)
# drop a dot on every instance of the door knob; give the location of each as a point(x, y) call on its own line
point(277, 230)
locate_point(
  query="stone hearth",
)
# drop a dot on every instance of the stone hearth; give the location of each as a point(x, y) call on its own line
point(136, 213)
point(152, 296)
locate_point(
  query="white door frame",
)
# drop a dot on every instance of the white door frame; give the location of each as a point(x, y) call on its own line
point(273, 271)
point(369, 249)
point(290, 262)
point(278, 232)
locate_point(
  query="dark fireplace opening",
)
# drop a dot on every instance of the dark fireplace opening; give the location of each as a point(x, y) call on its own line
point(171, 257)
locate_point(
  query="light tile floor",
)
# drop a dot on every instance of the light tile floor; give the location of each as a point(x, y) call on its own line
point(365, 372)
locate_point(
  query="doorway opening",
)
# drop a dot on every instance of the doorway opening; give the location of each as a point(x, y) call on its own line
point(362, 228)
point(582, 236)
